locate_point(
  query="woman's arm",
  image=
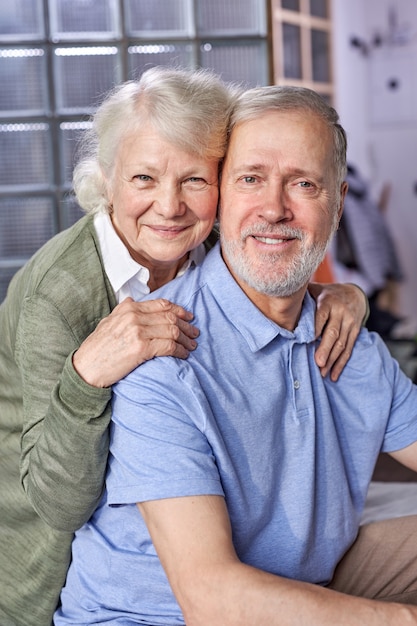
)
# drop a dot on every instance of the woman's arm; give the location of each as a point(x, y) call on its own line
point(66, 415)
point(64, 442)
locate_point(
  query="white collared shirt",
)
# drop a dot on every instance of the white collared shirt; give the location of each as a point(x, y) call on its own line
point(126, 276)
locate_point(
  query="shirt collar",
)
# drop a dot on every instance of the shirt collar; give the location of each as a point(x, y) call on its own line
point(126, 276)
point(257, 329)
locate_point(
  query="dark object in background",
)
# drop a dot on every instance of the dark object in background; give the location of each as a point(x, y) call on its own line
point(364, 244)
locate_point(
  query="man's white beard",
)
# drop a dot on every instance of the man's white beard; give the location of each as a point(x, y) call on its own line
point(298, 270)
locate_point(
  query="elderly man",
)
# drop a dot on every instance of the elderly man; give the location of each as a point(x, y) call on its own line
point(249, 469)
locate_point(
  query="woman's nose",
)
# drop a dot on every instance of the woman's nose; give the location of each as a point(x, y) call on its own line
point(169, 201)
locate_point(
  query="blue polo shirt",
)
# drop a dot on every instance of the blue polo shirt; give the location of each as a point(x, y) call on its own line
point(247, 416)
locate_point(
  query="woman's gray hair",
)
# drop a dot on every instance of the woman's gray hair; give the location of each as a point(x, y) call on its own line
point(189, 108)
point(254, 102)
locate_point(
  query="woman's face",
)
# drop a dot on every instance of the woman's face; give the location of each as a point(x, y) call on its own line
point(164, 200)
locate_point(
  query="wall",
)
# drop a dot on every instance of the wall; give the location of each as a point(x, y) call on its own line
point(381, 121)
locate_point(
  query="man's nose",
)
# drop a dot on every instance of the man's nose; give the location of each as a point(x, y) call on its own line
point(276, 205)
point(169, 201)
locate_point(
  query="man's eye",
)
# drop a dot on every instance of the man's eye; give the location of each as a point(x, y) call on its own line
point(305, 183)
point(249, 179)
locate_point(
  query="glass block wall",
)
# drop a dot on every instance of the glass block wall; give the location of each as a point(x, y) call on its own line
point(57, 59)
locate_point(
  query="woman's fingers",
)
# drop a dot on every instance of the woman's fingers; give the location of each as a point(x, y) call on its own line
point(133, 333)
point(341, 309)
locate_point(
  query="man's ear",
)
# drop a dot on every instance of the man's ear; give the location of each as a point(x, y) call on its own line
point(343, 191)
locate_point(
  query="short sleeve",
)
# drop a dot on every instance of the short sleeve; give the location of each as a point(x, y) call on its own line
point(158, 446)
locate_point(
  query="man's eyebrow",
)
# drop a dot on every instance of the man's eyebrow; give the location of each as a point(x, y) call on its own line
point(317, 176)
point(252, 167)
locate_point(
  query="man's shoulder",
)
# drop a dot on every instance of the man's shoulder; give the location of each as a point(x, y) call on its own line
point(370, 341)
point(182, 290)
point(196, 292)
point(370, 363)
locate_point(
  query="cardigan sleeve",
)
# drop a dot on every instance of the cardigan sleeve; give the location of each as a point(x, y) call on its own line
point(65, 433)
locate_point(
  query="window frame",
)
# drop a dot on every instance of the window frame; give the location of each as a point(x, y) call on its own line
point(307, 23)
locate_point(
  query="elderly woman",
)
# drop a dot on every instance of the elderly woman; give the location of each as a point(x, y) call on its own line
point(71, 325)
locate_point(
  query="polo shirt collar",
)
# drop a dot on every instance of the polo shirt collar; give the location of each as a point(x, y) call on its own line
point(249, 321)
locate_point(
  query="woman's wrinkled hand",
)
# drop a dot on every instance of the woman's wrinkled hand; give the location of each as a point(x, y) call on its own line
point(134, 332)
point(340, 313)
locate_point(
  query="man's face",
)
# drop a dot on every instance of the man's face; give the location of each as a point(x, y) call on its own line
point(279, 201)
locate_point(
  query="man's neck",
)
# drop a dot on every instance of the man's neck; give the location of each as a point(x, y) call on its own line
point(284, 311)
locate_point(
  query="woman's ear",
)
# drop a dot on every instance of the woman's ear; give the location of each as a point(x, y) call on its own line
point(107, 190)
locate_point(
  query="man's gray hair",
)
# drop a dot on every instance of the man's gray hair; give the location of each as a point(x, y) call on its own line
point(190, 109)
point(254, 102)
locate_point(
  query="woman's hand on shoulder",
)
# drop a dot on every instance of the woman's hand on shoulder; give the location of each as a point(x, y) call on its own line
point(133, 333)
point(340, 314)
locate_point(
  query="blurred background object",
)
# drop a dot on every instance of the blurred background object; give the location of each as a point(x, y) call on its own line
point(364, 253)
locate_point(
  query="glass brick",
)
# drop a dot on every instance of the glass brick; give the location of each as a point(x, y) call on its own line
point(243, 62)
point(246, 17)
point(21, 19)
point(70, 211)
point(144, 56)
point(83, 75)
point(23, 80)
point(70, 133)
point(25, 225)
point(25, 156)
point(158, 17)
point(81, 19)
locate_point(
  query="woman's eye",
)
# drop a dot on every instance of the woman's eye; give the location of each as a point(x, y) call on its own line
point(143, 178)
point(196, 182)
